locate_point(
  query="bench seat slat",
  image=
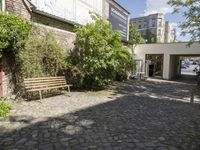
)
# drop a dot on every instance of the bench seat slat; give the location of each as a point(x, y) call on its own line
point(43, 86)
point(55, 87)
point(45, 78)
point(44, 83)
point(38, 81)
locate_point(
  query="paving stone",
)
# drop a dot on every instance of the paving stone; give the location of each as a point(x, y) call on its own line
point(145, 115)
point(21, 141)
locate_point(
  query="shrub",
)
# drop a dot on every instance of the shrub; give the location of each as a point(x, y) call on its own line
point(99, 55)
point(13, 33)
point(42, 56)
point(4, 108)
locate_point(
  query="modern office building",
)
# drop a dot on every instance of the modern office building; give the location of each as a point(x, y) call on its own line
point(170, 33)
point(153, 28)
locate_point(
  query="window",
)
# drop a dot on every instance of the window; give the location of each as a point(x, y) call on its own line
point(153, 22)
point(160, 22)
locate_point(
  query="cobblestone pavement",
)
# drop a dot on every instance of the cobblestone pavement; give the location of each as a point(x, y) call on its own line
point(148, 115)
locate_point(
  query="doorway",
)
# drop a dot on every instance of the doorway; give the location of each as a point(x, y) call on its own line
point(154, 65)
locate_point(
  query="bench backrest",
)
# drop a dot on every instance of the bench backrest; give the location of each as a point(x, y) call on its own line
point(44, 82)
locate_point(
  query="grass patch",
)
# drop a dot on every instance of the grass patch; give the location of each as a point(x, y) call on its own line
point(4, 107)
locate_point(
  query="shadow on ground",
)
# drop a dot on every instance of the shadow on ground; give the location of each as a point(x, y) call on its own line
point(136, 120)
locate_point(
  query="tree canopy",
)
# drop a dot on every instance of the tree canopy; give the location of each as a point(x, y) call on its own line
point(191, 11)
point(100, 56)
point(134, 36)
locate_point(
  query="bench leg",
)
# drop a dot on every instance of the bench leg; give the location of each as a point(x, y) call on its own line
point(40, 92)
point(68, 89)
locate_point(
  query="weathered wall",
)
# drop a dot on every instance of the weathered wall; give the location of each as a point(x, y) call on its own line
point(62, 30)
point(7, 84)
point(19, 8)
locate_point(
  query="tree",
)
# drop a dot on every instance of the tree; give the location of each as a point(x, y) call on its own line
point(151, 38)
point(134, 36)
point(191, 12)
point(100, 55)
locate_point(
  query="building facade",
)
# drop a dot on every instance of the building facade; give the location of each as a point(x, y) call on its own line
point(153, 28)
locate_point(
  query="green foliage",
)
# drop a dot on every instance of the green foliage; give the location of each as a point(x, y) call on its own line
point(13, 33)
point(100, 54)
point(42, 56)
point(191, 11)
point(134, 36)
point(151, 38)
point(4, 108)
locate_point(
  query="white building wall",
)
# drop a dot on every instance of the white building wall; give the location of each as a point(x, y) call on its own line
point(77, 11)
point(169, 50)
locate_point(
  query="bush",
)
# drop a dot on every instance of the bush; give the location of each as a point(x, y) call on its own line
point(99, 55)
point(13, 33)
point(4, 108)
point(42, 56)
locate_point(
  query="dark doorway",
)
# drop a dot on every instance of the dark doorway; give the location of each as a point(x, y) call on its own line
point(155, 65)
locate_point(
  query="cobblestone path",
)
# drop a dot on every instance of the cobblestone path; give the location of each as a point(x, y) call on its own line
point(149, 115)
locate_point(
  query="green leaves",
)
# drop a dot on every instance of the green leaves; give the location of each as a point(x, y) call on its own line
point(100, 53)
point(191, 11)
point(42, 56)
point(13, 32)
point(4, 107)
point(134, 36)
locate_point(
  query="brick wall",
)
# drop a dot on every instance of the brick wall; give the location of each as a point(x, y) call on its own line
point(64, 32)
point(19, 8)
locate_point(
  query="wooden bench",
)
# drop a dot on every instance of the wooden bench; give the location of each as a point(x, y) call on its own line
point(45, 83)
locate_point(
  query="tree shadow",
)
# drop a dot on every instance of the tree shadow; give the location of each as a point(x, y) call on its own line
point(128, 122)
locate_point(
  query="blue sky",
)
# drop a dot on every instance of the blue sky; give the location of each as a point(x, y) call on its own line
point(139, 8)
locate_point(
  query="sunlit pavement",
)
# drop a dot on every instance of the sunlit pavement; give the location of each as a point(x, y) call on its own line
point(151, 115)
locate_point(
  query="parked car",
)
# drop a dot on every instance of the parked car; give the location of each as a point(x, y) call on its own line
point(196, 62)
point(197, 69)
point(183, 65)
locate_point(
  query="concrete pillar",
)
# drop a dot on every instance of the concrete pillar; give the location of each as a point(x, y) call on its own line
point(166, 67)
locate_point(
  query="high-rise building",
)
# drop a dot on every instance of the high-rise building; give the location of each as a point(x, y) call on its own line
point(153, 28)
point(170, 33)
